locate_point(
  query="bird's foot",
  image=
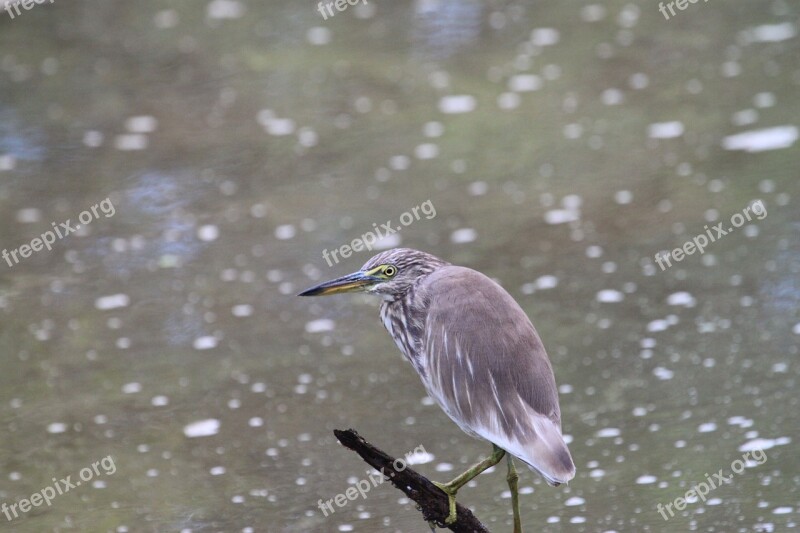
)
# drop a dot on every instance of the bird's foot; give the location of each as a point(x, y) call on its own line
point(448, 489)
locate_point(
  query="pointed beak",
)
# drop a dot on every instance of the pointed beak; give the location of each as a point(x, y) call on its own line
point(357, 281)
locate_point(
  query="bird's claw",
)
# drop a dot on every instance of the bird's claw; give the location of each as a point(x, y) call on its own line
point(451, 501)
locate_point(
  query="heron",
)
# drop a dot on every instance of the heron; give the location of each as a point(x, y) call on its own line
point(479, 358)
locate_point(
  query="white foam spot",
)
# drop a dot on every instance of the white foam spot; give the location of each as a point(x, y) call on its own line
point(463, 235)
point(609, 432)
point(459, 103)
point(206, 342)
point(544, 36)
point(285, 232)
point(646, 479)
point(681, 298)
point(208, 232)
point(524, 83)
point(610, 296)
point(762, 140)
point(561, 216)
point(707, 427)
point(130, 141)
point(770, 33)
point(57, 427)
point(665, 130)
point(662, 373)
point(320, 325)
point(224, 9)
point(28, 215)
point(141, 124)
point(113, 301)
point(419, 458)
point(242, 310)
point(202, 428)
point(132, 388)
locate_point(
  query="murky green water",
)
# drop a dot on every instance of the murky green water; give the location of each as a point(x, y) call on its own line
point(561, 145)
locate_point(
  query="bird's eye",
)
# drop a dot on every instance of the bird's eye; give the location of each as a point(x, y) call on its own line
point(390, 270)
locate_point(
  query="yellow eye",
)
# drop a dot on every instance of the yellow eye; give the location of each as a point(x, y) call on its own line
point(390, 270)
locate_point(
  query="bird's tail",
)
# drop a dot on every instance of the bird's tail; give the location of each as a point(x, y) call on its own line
point(547, 453)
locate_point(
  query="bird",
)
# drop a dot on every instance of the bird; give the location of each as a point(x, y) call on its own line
point(479, 357)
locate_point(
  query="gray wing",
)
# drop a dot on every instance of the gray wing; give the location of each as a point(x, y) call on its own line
point(489, 370)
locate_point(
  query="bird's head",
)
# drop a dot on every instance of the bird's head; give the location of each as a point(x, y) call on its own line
point(389, 274)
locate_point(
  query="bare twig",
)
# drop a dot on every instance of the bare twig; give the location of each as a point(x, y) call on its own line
point(431, 501)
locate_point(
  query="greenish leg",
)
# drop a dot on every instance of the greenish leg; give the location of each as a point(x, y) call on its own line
point(453, 486)
point(512, 485)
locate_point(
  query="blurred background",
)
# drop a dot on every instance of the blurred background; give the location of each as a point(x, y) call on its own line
point(562, 143)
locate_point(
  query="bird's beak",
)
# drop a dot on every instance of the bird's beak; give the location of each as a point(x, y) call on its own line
point(357, 281)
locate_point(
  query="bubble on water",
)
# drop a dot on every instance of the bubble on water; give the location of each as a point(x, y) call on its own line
point(426, 151)
point(255, 422)
point(130, 141)
point(208, 232)
point(782, 510)
point(665, 130)
point(112, 301)
point(646, 479)
point(460, 103)
point(610, 296)
point(763, 444)
point(681, 298)
point(593, 12)
point(463, 235)
point(285, 232)
point(320, 325)
point(206, 342)
point(419, 458)
point(524, 83)
point(57, 427)
point(608, 433)
point(657, 325)
point(561, 216)
point(545, 36)
point(141, 124)
point(707, 427)
point(224, 9)
point(762, 100)
point(132, 388)
point(623, 197)
point(388, 241)
point(478, 188)
point(159, 401)
point(508, 100)
point(769, 33)
point(202, 428)
point(444, 467)
point(762, 140)
point(574, 501)
point(662, 373)
point(217, 470)
point(242, 310)
point(28, 215)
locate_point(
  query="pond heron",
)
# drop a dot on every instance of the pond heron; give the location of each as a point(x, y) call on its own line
point(478, 355)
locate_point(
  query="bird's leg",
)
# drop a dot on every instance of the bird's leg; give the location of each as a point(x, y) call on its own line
point(453, 486)
point(512, 479)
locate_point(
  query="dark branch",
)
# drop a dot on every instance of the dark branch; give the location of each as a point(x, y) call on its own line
point(431, 501)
